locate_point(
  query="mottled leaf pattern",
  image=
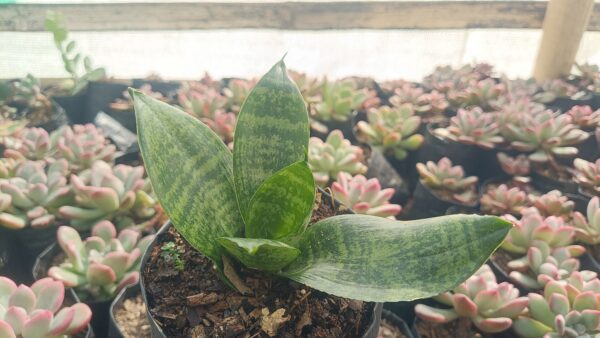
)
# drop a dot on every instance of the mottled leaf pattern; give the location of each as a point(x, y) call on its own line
point(272, 133)
point(282, 204)
point(261, 254)
point(375, 259)
point(191, 171)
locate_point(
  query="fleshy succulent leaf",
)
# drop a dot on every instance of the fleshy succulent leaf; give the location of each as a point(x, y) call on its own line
point(262, 254)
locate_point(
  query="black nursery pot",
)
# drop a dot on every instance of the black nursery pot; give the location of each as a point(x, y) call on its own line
point(74, 106)
point(380, 168)
point(58, 119)
point(100, 309)
point(396, 321)
point(502, 276)
point(427, 204)
point(114, 331)
point(544, 184)
point(588, 262)
point(564, 104)
point(100, 96)
point(345, 127)
point(589, 149)
point(164, 87)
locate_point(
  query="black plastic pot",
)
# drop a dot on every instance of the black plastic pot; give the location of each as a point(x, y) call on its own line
point(564, 104)
point(100, 96)
point(58, 119)
point(380, 168)
point(427, 204)
point(595, 102)
point(166, 88)
point(397, 321)
point(588, 262)
point(544, 184)
point(345, 127)
point(502, 276)
point(99, 322)
point(157, 332)
point(589, 149)
point(114, 331)
point(74, 106)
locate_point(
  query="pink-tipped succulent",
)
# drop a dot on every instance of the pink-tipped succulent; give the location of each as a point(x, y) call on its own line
point(478, 93)
point(82, 145)
point(8, 166)
point(106, 193)
point(542, 265)
point(533, 227)
point(103, 264)
point(38, 311)
point(364, 196)
point(554, 89)
point(490, 306)
point(236, 92)
point(563, 311)
point(502, 200)
point(33, 195)
point(392, 130)
point(588, 230)
point(472, 127)
point(200, 100)
point(335, 155)
point(126, 103)
point(585, 117)
point(29, 143)
point(427, 105)
point(223, 124)
point(518, 166)
point(587, 175)
point(448, 181)
point(339, 99)
point(553, 203)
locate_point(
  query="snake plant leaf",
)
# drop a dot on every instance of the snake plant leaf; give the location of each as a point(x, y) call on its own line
point(262, 254)
point(272, 133)
point(191, 171)
point(282, 205)
point(376, 259)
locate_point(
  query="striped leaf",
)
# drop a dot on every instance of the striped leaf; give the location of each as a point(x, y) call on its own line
point(191, 171)
point(261, 254)
point(282, 205)
point(375, 259)
point(272, 133)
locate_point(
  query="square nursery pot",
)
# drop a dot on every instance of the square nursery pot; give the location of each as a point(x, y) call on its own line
point(114, 329)
point(170, 324)
point(100, 96)
point(74, 106)
point(100, 309)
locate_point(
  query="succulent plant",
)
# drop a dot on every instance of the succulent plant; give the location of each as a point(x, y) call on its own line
point(546, 135)
point(26, 96)
point(512, 111)
point(446, 79)
point(29, 143)
point(199, 99)
point(38, 311)
point(553, 203)
point(587, 175)
point(106, 193)
point(338, 101)
point(472, 127)
point(542, 265)
point(443, 177)
point(364, 196)
point(392, 130)
point(478, 93)
point(9, 127)
point(490, 306)
point(518, 166)
point(125, 103)
point(584, 117)
point(310, 87)
point(34, 194)
point(533, 227)
point(502, 200)
point(82, 145)
point(554, 89)
point(223, 124)
point(236, 92)
point(335, 155)
point(103, 264)
point(8, 166)
point(588, 231)
point(426, 105)
point(563, 311)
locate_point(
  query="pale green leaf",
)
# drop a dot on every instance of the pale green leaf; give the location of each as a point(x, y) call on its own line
point(272, 133)
point(376, 259)
point(283, 203)
point(262, 254)
point(191, 171)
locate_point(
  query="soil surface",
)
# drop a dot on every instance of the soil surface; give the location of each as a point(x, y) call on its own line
point(460, 328)
point(131, 318)
point(194, 301)
point(389, 330)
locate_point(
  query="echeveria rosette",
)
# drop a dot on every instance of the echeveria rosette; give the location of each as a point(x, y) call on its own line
point(200, 99)
point(38, 311)
point(477, 93)
point(108, 193)
point(502, 200)
point(588, 230)
point(334, 155)
point(37, 190)
point(427, 105)
point(533, 227)
point(254, 205)
point(101, 265)
point(518, 166)
point(364, 196)
point(443, 176)
point(490, 306)
point(553, 203)
point(473, 127)
point(542, 265)
point(391, 129)
point(562, 311)
point(82, 145)
point(585, 117)
point(338, 100)
point(236, 92)
point(587, 175)
point(29, 143)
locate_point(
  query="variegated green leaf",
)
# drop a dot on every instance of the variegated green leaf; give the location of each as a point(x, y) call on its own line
point(191, 171)
point(272, 133)
point(282, 204)
point(261, 254)
point(374, 259)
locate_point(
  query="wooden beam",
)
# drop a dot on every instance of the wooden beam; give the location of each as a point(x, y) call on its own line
point(564, 25)
point(312, 15)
